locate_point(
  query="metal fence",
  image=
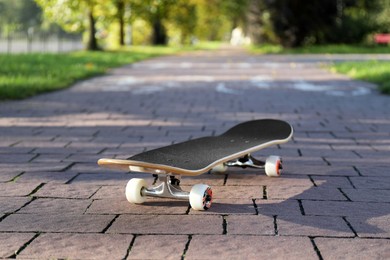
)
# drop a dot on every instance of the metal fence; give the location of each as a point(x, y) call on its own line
point(30, 41)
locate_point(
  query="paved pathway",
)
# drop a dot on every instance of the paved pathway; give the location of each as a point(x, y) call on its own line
point(333, 200)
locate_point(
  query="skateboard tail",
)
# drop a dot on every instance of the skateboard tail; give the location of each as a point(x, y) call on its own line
point(114, 164)
point(127, 165)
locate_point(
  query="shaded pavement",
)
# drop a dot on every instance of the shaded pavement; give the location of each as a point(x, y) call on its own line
point(333, 200)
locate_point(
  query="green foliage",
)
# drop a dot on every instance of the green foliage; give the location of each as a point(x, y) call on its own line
point(18, 15)
point(155, 12)
point(78, 16)
point(211, 26)
point(377, 72)
point(356, 20)
point(383, 16)
point(291, 23)
point(184, 17)
point(299, 23)
point(69, 14)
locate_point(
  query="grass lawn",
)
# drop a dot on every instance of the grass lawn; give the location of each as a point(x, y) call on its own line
point(319, 49)
point(25, 75)
point(377, 72)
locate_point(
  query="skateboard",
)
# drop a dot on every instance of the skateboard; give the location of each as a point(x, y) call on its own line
point(206, 154)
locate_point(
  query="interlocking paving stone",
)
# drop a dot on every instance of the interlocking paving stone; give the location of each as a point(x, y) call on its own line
point(167, 224)
point(313, 226)
point(151, 206)
point(237, 192)
point(57, 222)
point(242, 179)
point(9, 175)
point(69, 191)
point(296, 192)
point(10, 243)
point(46, 177)
point(12, 189)
point(374, 171)
point(250, 247)
point(78, 246)
point(228, 206)
point(34, 167)
point(316, 170)
point(371, 182)
point(340, 208)
point(368, 195)
point(56, 206)
point(249, 225)
point(16, 158)
point(332, 181)
point(353, 248)
point(114, 178)
point(210, 179)
point(49, 158)
point(278, 207)
point(376, 226)
point(110, 192)
point(158, 247)
point(11, 204)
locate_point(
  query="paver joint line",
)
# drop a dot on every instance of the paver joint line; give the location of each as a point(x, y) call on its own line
point(275, 222)
point(186, 247)
point(316, 248)
point(17, 252)
point(350, 226)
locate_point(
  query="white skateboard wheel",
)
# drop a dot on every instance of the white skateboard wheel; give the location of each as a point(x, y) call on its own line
point(273, 166)
point(201, 197)
point(134, 191)
point(220, 168)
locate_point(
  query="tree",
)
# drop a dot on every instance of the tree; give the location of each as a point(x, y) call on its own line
point(156, 13)
point(120, 5)
point(235, 11)
point(19, 15)
point(296, 22)
point(121, 16)
point(255, 21)
point(383, 16)
point(217, 18)
point(300, 22)
point(355, 19)
point(183, 16)
point(75, 16)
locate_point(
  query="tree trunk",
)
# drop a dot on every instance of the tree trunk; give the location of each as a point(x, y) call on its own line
point(159, 36)
point(121, 13)
point(92, 41)
point(255, 22)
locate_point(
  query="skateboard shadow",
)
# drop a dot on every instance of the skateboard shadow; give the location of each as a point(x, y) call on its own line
point(323, 207)
point(167, 203)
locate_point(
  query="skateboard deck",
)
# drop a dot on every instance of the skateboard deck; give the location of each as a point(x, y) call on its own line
point(200, 155)
point(197, 156)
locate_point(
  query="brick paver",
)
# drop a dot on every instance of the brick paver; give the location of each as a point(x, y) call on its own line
point(331, 202)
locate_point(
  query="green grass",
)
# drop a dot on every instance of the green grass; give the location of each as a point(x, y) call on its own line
point(377, 72)
point(320, 49)
point(25, 75)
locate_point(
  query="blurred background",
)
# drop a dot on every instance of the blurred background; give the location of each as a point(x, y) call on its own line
point(89, 37)
point(65, 25)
